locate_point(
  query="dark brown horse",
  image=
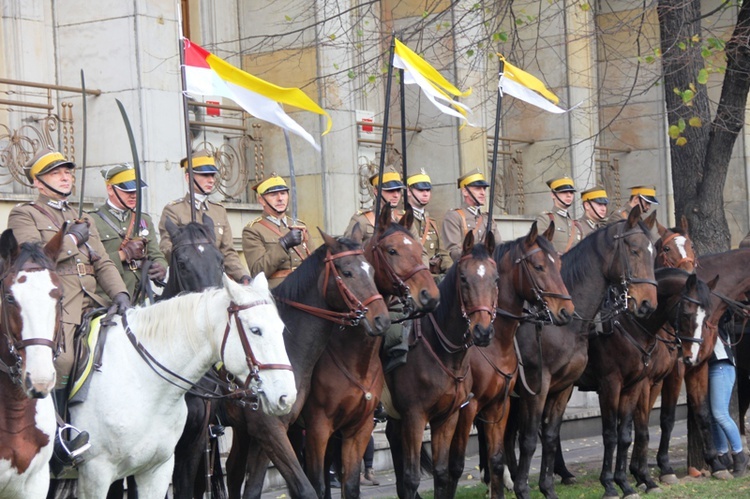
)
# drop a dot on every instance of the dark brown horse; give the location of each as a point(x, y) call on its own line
point(529, 270)
point(435, 382)
point(734, 283)
point(348, 379)
point(620, 257)
point(620, 364)
point(334, 284)
point(30, 326)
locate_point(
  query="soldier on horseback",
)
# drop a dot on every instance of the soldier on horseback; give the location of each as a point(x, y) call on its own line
point(419, 192)
point(640, 195)
point(274, 243)
point(568, 232)
point(393, 187)
point(83, 265)
point(595, 201)
point(469, 216)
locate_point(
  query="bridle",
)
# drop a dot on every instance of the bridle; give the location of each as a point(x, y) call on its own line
point(467, 313)
point(402, 289)
point(626, 278)
point(357, 309)
point(14, 369)
point(662, 253)
point(178, 277)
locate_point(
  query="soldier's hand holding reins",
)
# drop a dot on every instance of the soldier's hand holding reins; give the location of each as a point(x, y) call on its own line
point(291, 239)
point(133, 249)
point(80, 231)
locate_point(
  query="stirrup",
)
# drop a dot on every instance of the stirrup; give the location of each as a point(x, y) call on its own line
point(74, 447)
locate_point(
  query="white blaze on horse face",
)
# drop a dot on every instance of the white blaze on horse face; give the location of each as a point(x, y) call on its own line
point(481, 270)
point(651, 249)
point(407, 241)
point(680, 242)
point(201, 248)
point(551, 258)
point(38, 313)
point(367, 268)
point(697, 334)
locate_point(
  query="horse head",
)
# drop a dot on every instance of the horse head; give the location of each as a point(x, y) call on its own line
point(31, 312)
point(674, 248)
point(535, 266)
point(196, 263)
point(690, 323)
point(477, 281)
point(347, 284)
point(397, 259)
point(253, 345)
point(631, 263)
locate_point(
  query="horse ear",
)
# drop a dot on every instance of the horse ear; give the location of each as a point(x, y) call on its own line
point(385, 218)
point(357, 236)
point(468, 243)
point(489, 243)
point(208, 223)
point(712, 284)
point(691, 282)
point(532, 235)
point(684, 224)
point(232, 287)
point(634, 217)
point(8, 246)
point(408, 219)
point(54, 246)
point(550, 232)
point(260, 282)
point(662, 230)
point(171, 227)
point(650, 221)
point(328, 240)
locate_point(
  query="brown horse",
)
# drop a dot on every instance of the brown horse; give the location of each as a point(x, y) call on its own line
point(620, 364)
point(434, 383)
point(334, 284)
point(348, 379)
point(618, 255)
point(30, 325)
point(734, 283)
point(529, 270)
point(674, 248)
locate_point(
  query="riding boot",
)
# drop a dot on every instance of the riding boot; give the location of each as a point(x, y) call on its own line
point(67, 452)
point(740, 464)
point(397, 345)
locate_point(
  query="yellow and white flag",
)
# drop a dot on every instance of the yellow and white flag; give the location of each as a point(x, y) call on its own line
point(206, 74)
point(528, 88)
point(435, 87)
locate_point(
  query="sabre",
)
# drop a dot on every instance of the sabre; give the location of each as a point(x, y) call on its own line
point(136, 166)
point(83, 162)
point(292, 179)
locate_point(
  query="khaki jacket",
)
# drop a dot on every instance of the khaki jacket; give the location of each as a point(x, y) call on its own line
point(588, 226)
point(620, 214)
point(112, 238)
point(426, 232)
point(568, 232)
point(179, 212)
point(458, 222)
point(366, 221)
point(79, 276)
point(263, 253)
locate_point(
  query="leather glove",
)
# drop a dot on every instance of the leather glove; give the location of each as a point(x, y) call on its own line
point(291, 239)
point(80, 231)
point(134, 249)
point(157, 272)
point(122, 302)
point(435, 264)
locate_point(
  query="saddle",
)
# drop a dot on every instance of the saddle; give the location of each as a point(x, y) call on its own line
point(90, 338)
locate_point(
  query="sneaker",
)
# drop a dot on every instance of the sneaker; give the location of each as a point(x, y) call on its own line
point(370, 476)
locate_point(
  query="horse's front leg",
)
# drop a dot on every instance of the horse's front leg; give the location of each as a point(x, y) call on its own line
point(495, 426)
point(190, 448)
point(154, 482)
point(393, 432)
point(670, 392)
point(639, 460)
point(442, 437)
point(457, 457)
point(237, 460)
point(551, 422)
point(696, 386)
point(608, 399)
point(412, 429)
point(627, 405)
point(95, 477)
point(277, 446)
point(319, 431)
point(352, 449)
point(529, 417)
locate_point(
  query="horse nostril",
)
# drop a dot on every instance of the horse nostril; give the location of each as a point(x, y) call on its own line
point(282, 401)
point(426, 300)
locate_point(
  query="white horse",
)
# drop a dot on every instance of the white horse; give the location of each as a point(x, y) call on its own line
point(135, 417)
point(29, 319)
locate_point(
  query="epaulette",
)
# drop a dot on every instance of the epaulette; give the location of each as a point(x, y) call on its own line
point(255, 221)
point(176, 201)
point(364, 212)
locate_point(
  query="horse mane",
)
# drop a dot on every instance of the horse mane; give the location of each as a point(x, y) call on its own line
point(27, 252)
point(576, 269)
point(449, 289)
point(193, 231)
point(305, 277)
point(502, 249)
point(704, 293)
point(396, 227)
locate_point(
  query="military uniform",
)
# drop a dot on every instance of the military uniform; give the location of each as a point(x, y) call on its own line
point(263, 253)
point(596, 195)
point(80, 269)
point(112, 225)
point(458, 222)
point(179, 212)
point(588, 226)
point(425, 231)
point(366, 221)
point(645, 192)
point(568, 232)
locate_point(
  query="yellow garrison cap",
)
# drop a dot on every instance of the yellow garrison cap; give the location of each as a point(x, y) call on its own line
point(203, 163)
point(561, 184)
point(419, 181)
point(272, 183)
point(474, 178)
point(45, 161)
point(596, 194)
point(647, 192)
point(391, 179)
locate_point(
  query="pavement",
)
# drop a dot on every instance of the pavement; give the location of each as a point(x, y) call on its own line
point(577, 451)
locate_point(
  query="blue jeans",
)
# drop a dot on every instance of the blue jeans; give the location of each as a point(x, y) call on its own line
point(721, 377)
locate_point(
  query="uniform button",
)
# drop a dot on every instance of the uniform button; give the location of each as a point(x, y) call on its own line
point(69, 252)
point(78, 260)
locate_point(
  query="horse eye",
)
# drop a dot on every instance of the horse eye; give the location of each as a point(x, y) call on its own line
point(463, 278)
point(538, 268)
point(10, 299)
point(346, 273)
point(256, 331)
point(392, 251)
point(666, 248)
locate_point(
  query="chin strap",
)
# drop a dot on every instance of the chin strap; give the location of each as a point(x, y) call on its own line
point(45, 184)
point(279, 213)
point(421, 205)
point(595, 212)
point(124, 205)
point(471, 194)
point(567, 205)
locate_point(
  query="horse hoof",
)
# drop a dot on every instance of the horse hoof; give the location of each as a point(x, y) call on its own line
point(654, 490)
point(569, 480)
point(670, 479)
point(610, 497)
point(722, 475)
point(634, 495)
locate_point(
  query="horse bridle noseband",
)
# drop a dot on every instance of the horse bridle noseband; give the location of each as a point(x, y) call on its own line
point(626, 278)
point(466, 314)
point(545, 314)
point(663, 253)
point(357, 308)
point(15, 346)
point(399, 282)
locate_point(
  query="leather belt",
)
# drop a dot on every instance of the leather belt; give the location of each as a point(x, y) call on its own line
point(280, 274)
point(80, 269)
